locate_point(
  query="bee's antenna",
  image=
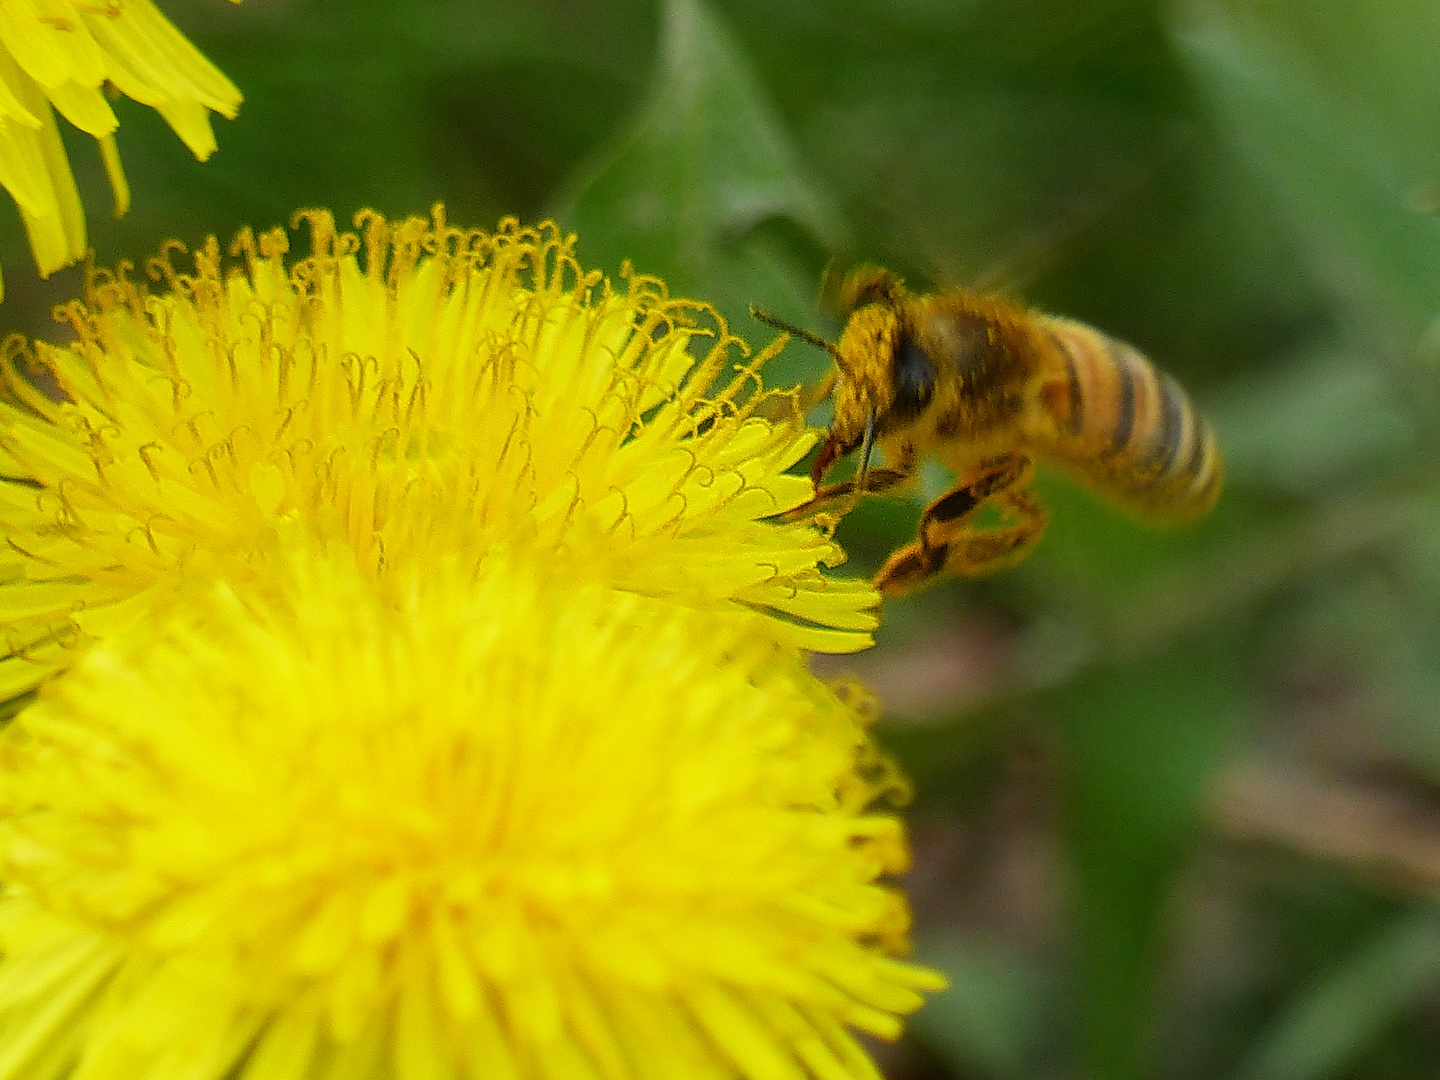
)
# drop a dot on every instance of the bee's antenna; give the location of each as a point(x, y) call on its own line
point(804, 335)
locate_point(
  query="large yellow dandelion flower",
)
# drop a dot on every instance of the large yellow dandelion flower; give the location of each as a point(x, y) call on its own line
point(66, 54)
point(509, 829)
point(420, 392)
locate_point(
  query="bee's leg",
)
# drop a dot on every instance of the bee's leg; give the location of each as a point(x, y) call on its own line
point(949, 543)
point(993, 550)
point(877, 482)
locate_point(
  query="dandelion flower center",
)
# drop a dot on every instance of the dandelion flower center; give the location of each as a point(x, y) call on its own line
point(523, 829)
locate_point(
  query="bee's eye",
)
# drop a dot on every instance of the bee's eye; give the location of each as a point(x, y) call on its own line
point(914, 378)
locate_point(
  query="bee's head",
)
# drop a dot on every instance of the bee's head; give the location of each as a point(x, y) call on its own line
point(865, 369)
point(881, 380)
point(884, 380)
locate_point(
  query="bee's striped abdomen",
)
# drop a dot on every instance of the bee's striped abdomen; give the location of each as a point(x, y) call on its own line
point(1126, 428)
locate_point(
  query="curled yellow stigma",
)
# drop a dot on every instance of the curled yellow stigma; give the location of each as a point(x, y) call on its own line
point(412, 391)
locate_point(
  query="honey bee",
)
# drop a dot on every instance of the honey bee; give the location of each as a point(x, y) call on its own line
point(989, 387)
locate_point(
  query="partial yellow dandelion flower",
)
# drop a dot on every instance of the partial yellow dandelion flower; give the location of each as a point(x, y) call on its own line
point(514, 828)
point(65, 54)
point(448, 391)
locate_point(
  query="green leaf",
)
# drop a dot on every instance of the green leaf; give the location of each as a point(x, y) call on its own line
point(708, 161)
point(1144, 742)
point(1329, 417)
point(988, 190)
point(989, 1020)
point(1328, 1026)
point(1347, 193)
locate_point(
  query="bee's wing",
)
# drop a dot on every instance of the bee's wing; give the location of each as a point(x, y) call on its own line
point(813, 395)
point(787, 404)
point(1026, 248)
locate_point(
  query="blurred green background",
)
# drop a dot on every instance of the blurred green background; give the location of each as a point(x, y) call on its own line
point(1178, 807)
